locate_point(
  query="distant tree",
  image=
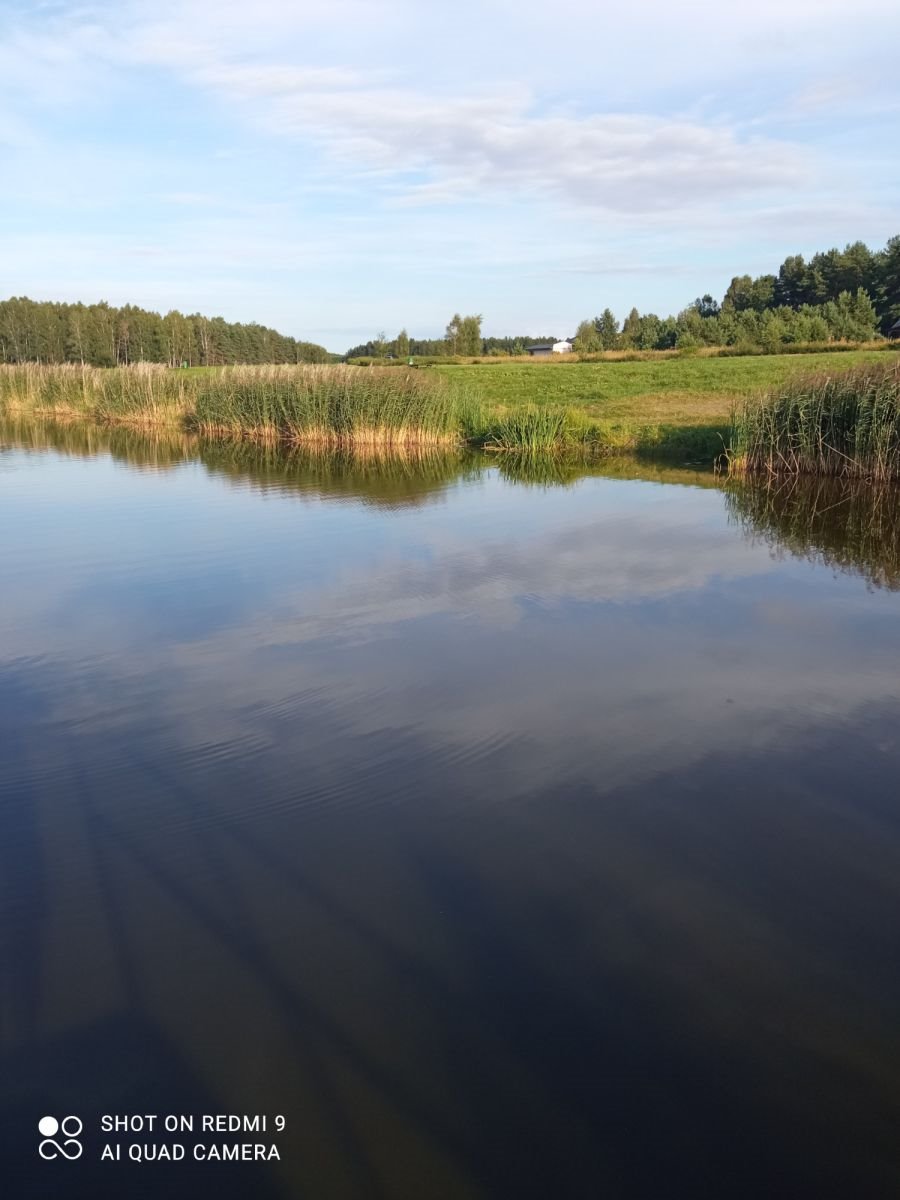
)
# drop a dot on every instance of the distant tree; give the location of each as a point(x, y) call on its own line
point(739, 295)
point(470, 335)
point(649, 333)
point(630, 336)
point(587, 338)
point(792, 282)
point(763, 292)
point(464, 335)
point(706, 306)
point(889, 284)
point(454, 334)
point(772, 331)
point(608, 329)
point(402, 344)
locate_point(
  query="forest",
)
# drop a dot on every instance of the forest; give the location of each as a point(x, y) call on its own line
point(104, 336)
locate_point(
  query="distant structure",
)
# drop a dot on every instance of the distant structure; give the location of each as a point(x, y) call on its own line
point(894, 331)
point(547, 348)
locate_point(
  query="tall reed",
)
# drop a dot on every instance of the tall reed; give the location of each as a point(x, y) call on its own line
point(530, 429)
point(846, 424)
point(333, 404)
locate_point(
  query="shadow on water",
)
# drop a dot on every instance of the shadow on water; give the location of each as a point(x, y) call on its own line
point(645, 998)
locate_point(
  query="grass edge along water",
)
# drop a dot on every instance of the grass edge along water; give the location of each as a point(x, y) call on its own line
point(842, 422)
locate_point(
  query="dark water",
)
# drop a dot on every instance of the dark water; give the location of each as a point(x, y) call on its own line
point(511, 834)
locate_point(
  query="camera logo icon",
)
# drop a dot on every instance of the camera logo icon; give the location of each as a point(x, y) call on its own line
point(69, 1129)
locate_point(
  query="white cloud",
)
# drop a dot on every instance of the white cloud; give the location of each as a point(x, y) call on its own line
point(630, 138)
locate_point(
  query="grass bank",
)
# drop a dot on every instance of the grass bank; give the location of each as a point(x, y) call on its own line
point(844, 424)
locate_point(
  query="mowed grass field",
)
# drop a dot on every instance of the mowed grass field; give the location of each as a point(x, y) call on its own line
point(690, 391)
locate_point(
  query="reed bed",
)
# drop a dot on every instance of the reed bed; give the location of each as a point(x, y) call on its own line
point(844, 424)
point(530, 429)
point(337, 405)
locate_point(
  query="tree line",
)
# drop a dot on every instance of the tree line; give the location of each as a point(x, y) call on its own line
point(838, 295)
point(850, 294)
point(104, 336)
point(462, 337)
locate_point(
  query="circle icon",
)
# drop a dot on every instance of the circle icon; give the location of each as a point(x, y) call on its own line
point(70, 1127)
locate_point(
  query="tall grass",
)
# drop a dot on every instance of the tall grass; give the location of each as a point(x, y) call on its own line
point(841, 424)
point(331, 404)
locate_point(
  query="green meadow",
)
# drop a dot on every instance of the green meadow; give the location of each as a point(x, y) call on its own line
point(673, 390)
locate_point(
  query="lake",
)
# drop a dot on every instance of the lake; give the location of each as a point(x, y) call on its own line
point(508, 829)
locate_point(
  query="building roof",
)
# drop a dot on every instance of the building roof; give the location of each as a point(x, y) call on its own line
point(895, 328)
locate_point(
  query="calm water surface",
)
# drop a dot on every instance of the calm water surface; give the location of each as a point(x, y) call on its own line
point(509, 838)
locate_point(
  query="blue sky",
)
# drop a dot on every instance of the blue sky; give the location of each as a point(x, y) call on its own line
point(335, 169)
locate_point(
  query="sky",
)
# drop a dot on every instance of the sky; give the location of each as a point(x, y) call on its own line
point(338, 169)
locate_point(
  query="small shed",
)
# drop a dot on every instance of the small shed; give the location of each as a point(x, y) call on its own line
point(894, 331)
point(545, 349)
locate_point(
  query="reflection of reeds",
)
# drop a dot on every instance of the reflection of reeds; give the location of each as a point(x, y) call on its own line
point(388, 476)
point(847, 524)
point(157, 448)
point(542, 470)
point(843, 424)
point(383, 474)
point(333, 404)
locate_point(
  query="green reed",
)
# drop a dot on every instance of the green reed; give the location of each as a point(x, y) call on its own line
point(843, 424)
point(531, 429)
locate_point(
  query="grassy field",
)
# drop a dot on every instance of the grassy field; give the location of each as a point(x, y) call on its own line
point(676, 391)
point(679, 406)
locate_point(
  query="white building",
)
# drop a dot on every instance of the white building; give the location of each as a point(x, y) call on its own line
point(545, 348)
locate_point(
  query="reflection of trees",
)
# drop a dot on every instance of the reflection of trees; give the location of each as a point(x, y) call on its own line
point(847, 525)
